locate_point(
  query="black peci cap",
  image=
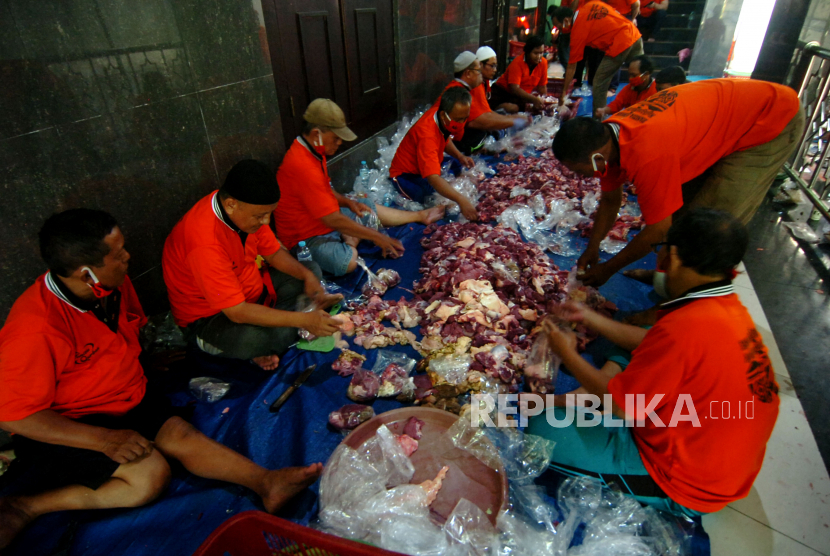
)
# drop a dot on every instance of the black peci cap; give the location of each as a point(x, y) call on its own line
point(250, 181)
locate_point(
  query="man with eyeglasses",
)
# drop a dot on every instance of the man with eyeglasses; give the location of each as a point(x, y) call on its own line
point(482, 121)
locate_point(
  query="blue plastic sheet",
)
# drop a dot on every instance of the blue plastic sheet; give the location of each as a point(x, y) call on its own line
point(192, 508)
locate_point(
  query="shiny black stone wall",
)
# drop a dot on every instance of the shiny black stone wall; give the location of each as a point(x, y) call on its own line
point(137, 108)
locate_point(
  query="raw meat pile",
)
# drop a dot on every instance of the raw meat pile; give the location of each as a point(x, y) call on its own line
point(386, 278)
point(485, 291)
point(348, 362)
point(367, 318)
point(536, 182)
point(544, 175)
point(408, 440)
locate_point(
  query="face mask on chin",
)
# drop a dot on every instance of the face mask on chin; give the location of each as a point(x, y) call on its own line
point(318, 144)
point(597, 173)
point(636, 80)
point(97, 290)
point(456, 129)
point(660, 284)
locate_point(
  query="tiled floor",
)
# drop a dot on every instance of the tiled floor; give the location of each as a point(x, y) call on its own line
point(787, 513)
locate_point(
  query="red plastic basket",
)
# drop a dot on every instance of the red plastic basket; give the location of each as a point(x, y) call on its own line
point(255, 533)
point(515, 48)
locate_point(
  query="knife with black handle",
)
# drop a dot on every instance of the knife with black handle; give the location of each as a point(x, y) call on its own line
point(287, 394)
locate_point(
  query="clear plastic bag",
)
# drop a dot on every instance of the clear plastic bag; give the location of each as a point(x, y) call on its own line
point(589, 203)
point(469, 526)
point(519, 191)
point(518, 538)
point(418, 537)
point(350, 416)
point(612, 246)
point(803, 231)
point(208, 389)
point(542, 366)
point(394, 370)
point(161, 333)
point(451, 369)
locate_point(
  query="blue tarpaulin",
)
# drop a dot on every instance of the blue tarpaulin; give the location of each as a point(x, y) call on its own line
point(192, 508)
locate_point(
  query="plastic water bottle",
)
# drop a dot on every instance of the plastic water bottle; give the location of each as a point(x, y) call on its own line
point(364, 175)
point(303, 254)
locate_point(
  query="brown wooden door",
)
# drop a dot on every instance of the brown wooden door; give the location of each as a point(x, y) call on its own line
point(307, 56)
point(488, 33)
point(370, 63)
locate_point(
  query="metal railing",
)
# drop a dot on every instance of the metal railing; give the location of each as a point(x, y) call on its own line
point(809, 168)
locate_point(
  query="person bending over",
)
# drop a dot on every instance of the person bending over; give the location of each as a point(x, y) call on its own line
point(416, 167)
point(75, 396)
point(310, 210)
point(680, 451)
point(717, 143)
point(225, 304)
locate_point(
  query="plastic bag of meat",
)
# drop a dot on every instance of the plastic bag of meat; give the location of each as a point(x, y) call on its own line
point(364, 386)
point(394, 369)
point(348, 362)
point(449, 369)
point(542, 367)
point(350, 415)
point(389, 277)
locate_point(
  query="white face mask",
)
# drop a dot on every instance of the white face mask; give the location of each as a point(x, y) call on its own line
point(660, 284)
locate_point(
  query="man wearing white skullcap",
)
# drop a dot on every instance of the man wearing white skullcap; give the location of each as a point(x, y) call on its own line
point(469, 71)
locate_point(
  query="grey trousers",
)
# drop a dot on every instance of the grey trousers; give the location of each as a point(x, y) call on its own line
point(218, 335)
point(606, 70)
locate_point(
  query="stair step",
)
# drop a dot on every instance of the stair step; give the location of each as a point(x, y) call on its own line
point(682, 20)
point(664, 48)
point(686, 7)
point(664, 61)
point(677, 34)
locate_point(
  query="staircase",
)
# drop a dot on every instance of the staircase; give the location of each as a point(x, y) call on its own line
point(679, 31)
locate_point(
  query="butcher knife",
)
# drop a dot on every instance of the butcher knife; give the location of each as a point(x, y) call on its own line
point(297, 383)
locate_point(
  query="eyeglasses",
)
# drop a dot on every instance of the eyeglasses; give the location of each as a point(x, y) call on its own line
point(489, 65)
point(656, 246)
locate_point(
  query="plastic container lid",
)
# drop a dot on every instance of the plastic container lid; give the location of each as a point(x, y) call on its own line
point(302, 244)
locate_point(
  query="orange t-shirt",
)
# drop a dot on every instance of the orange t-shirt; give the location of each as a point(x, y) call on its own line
point(622, 6)
point(205, 265)
point(599, 26)
point(677, 134)
point(57, 355)
point(628, 96)
point(518, 73)
point(646, 11)
point(479, 104)
point(709, 350)
point(305, 196)
point(422, 149)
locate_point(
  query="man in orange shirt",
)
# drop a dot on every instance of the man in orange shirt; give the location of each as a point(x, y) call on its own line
point(640, 86)
point(597, 25)
point(717, 143)
point(75, 396)
point(224, 303)
point(627, 8)
point(525, 75)
point(469, 74)
point(310, 210)
point(416, 167)
point(651, 17)
point(708, 401)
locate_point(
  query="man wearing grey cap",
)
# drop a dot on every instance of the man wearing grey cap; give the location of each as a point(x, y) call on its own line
point(482, 120)
point(310, 210)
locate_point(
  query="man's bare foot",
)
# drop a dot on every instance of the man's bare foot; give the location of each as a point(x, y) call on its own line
point(431, 215)
point(644, 275)
point(643, 318)
point(267, 362)
point(281, 485)
point(14, 517)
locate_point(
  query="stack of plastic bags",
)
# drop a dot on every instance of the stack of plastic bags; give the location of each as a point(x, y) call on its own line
point(365, 495)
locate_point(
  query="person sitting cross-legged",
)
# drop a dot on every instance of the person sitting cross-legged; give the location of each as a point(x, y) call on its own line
point(85, 421)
